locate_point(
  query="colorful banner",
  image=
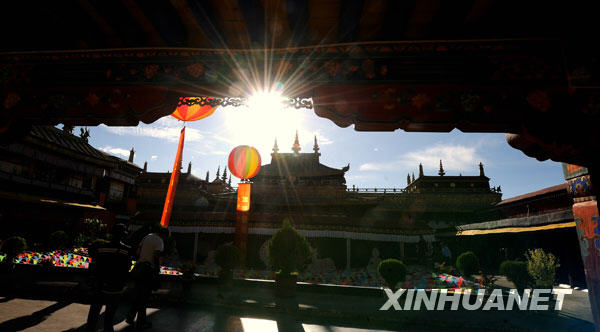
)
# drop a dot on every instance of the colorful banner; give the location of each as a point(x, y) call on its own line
point(166, 216)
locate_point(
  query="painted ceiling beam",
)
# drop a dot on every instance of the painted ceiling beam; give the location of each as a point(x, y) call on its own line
point(372, 20)
point(420, 21)
point(152, 35)
point(196, 35)
point(111, 34)
point(323, 21)
point(298, 16)
point(232, 22)
point(276, 23)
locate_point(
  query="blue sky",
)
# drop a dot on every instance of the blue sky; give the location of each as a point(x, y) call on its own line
point(377, 159)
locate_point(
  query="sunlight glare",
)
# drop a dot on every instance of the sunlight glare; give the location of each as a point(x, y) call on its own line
point(265, 119)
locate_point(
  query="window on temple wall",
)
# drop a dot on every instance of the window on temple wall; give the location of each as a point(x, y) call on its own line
point(115, 191)
point(11, 168)
point(76, 181)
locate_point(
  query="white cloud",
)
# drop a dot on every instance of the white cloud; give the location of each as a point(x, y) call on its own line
point(454, 158)
point(154, 157)
point(115, 151)
point(376, 149)
point(162, 129)
point(209, 152)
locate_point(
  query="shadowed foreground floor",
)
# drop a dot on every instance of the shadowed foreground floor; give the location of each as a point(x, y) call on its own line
point(17, 314)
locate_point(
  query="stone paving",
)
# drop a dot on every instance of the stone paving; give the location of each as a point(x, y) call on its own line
point(251, 313)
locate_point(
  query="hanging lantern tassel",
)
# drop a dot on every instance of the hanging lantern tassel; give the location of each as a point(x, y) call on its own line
point(166, 216)
point(243, 197)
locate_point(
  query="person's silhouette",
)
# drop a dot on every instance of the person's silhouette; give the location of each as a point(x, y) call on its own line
point(109, 270)
point(145, 275)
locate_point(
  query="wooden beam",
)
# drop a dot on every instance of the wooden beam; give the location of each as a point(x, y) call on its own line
point(420, 21)
point(101, 23)
point(233, 24)
point(297, 16)
point(196, 36)
point(372, 20)
point(276, 23)
point(152, 35)
point(351, 12)
point(478, 10)
point(323, 21)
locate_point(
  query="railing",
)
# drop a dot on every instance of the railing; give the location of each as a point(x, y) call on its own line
point(376, 190)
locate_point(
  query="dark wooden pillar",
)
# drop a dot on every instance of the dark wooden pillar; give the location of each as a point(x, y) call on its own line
point(585, 212)
point(241, 234)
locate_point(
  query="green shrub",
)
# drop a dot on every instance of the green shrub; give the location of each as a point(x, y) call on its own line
point(228, 256)
point(516, 271)
point(13, 246)
point(59, 240)
point(542, 267)
point(288, 250)
point(467, 263)
point(392, 271)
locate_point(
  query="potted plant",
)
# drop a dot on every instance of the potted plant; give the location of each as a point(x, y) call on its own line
point(392, 271)
point(467, 263)
point(516, 272)
point(288, 252)
point(59, 240)
point(542, 269)
point(11, 247)
point(227, 258)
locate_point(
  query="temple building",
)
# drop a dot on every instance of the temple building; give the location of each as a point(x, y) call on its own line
point(539, 219)
point(193, 197)
point(296, 180)
point(341, 223)
point(52, 180)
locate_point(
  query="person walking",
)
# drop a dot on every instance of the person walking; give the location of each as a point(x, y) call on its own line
point(109, 270)
point(145, 275)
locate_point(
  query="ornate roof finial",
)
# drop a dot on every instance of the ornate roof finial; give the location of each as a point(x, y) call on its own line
point(229, 184)
point(224, 178)
point(275, 147)
point(145, 166)
point(190, 168)
point(413, 177)
point(296, 148)
point(420, 170)
point(441, 172)
point(218, 172)
point(407, 179)
point(481, 173)
point(131, 154)
point(316, 146)
point(206, 176)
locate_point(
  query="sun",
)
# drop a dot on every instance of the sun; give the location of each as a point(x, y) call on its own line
point(265, 119)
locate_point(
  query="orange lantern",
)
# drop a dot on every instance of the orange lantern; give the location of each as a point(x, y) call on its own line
point(185, 111)
point(243, 197)
point(244, 162)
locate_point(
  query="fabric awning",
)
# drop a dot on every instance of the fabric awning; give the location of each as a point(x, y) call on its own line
point(515, 229)
point(47, 201)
